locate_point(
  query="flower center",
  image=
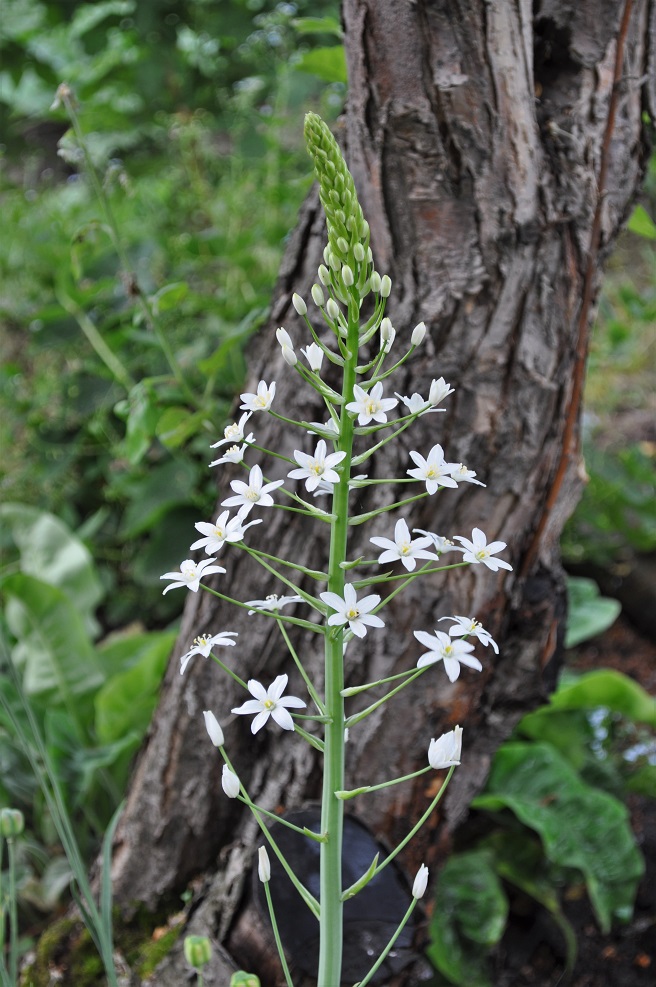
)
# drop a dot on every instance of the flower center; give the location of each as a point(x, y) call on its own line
point(431, 472)
point(405, 548)
point(482, 554)
point(232, 451)
point(253, 495)
point(352, 613)
point(316, 468)
point(371, 407)
point(269, 704)
point(219, 532)
point(231, 431)
point(261, 401)
point(189, 574)
point(201, 641)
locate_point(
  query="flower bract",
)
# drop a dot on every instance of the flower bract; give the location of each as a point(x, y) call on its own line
point(269, 702)
point(191, 574)
point(441, 647)
point(478, 551)
point(349, 610)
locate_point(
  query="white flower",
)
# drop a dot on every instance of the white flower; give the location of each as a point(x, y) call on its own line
point(315, 468)
point(416, 404)
point(263, 865)
point(445, 752)
point(420, 882)
point(229, 782)
point(435, 471)
point(469, 626)
point(463, 474)
point(370, 405)
point(222, 531)
point(452, 653)
point(314, 356)
point(439, 390)
point(235, 433)
point(234, 454)
point(403, 549)
point(477, 550)
point(204, 644)
point(273, 602)
point(269, 702)
point(261, 401)
point(252, 493)
point(353, 612)
point(440, 544)
point(191, 574)
point(418, 334)
point(213, 728)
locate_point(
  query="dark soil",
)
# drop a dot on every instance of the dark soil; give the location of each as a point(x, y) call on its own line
point(531, 953)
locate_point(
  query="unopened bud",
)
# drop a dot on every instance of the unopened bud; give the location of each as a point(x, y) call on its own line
point(324, 274)
point(317, 296)
point(289, 356)
point(263, 865)
point(198, 951)
point(213, 728)
point(370, 256)
point(342, 244)
point(385, 286)
point(334, 261)
point(418, 334)
point(358, 252)
point(299, 304)
point(229, 782)
point(347, 276)
point(375, 282)
point(326, 253)
point(12, 823)
point(386, 329)
point(332, 309)
point(364, 229)
point(420, 883)
point(284, 338)
point(241, 978)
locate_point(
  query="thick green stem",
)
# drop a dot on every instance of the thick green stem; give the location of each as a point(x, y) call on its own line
point(332, 808)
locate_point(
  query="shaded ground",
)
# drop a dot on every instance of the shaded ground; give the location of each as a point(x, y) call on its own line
point(531, 953)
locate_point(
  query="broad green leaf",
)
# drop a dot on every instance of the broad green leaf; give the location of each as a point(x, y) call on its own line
point(640, 222)
point(52, 553)
point(589, 613)
point(318, 25)
point(126, 702)
point(176, 425)
point(170, 296)
point(644, 781)
point(168, 485)
point(580, 826)
point(470, 916)
point(54, 651)
point(609, 688)
point(328, 64)
point(568, 730)
point(142, 415)
point(126, 649)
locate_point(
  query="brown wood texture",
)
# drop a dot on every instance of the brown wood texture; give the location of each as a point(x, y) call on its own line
point(476, 133)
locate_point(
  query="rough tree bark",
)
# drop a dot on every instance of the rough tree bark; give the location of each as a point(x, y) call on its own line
point(497, 148)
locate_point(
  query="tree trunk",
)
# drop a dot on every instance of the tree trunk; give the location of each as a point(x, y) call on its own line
point(497, 148)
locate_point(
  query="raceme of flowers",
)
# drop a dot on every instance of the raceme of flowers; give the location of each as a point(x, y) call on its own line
point(351, 595)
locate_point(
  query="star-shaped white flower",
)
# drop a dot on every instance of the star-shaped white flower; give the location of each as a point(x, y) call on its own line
point(470, 627)
point(234, 454)
point(269, 702)
point(370, 405)
point(255, 492)
point(351, 611)
point(447, 750)
point(439, 390)
point(452, 653)
point(462, 474)
point(191, 574)
point(315, 468)
point(261, 400)
point(314, 356)
point(440, 543)
point(235, 433)
point(225, 529)
point(273, 602)
point(477, 550)
point(434, 470)
point(416, 404)
point(204, 644)
point(404, 548)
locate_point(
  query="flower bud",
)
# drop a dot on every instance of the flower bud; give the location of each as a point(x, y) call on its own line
point(324, 274)
point(364, 229)
point(263, 865)
point(370, 256)
point(284, 338)
point(317, 296)
point(299, 304)
point(241, 978)
point(375, 281)
point(446, 751)
point(421, 882)
point(229, 782)
point(386, 329)
point(213, 728)
point(314, 356)
point(439, 390)
point(12, 823)
point(358, 252)
point(198, 951)
point(418, 334)
point(289, 356)
point(334, 261)
point(342, 244)
point(326, 253)
point(332, 309)
point(385, 286)
point(347, 276)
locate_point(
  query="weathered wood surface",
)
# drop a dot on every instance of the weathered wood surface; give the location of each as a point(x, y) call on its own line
point(475, 132)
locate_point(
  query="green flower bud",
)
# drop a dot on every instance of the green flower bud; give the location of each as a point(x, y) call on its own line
point(243, 979)
point(347, 276)
point(12, 823)
point(324, 274)
point(358, 252)
point(332, 309)
point(375, 281)
point(198, 951)
point(342, 244)
point(299, 304)
point(385, 286)
point(334, 261)
point(317, 296)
